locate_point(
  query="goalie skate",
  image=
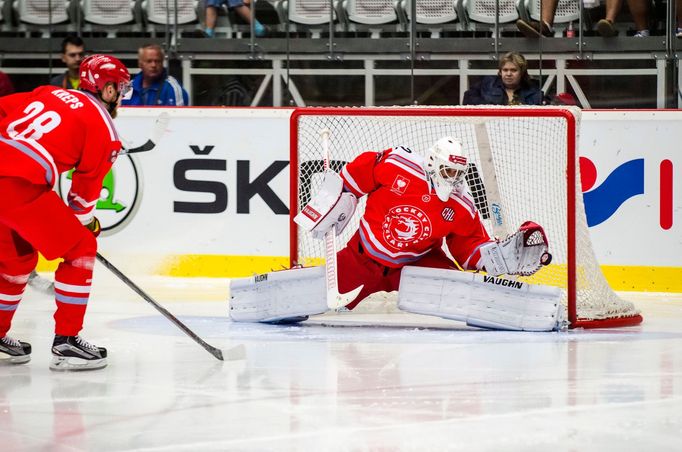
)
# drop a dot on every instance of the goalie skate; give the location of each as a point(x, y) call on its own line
point(75, 353)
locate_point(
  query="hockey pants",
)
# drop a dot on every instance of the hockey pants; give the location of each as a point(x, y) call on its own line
point(356, 267)
point(34, 219)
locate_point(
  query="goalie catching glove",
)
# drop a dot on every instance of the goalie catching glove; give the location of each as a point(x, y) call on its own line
point(329, 207)
point(521, 253)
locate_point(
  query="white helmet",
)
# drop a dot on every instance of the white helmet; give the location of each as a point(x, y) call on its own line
point(446, 165)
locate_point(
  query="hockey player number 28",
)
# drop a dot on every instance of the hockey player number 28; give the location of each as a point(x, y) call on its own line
point(41, 124)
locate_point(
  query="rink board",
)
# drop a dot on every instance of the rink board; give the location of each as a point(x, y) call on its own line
point(212, 198)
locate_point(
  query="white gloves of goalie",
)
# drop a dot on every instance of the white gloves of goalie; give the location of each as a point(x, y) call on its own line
point(329, 207)
point(522, 253)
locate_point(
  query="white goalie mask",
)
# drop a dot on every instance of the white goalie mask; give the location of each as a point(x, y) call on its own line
point(446, 165)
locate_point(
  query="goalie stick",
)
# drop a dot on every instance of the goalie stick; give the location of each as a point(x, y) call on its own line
point(234, 353)
point(335, 299)
point(159, 128)
point(496, 208)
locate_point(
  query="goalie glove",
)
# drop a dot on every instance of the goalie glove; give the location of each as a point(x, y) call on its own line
point(521, 253)
point(328, 207)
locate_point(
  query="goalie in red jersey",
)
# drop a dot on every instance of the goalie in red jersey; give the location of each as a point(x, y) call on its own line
point(415, 206)
point(44, 133)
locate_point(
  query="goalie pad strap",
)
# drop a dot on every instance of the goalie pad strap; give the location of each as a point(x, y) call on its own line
point(278, 295)
point(481, 301)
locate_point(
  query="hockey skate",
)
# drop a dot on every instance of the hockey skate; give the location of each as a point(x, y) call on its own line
point(14, 351)
point(75, 353)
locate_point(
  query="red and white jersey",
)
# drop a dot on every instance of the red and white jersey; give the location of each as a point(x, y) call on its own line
point(404, 219)
point(50, 130)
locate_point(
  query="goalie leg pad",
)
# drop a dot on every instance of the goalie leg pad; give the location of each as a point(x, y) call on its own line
point(481, 301)
point(280, 295)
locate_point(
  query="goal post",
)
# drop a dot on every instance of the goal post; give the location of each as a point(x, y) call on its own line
point(523, 166)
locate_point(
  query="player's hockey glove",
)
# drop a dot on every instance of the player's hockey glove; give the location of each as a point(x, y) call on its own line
point(94, 226)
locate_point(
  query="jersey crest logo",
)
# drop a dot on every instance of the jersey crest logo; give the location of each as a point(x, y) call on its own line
point(400, 184)
point(404, 226)
point(448, 214)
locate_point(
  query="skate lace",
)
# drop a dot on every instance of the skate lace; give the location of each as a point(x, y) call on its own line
point(82, 342)
point(10, 341)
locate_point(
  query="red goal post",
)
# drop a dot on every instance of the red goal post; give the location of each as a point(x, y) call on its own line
point(523, 166)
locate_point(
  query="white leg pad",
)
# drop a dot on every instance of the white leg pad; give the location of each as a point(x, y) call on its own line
point(278, 295)
point(480, 301)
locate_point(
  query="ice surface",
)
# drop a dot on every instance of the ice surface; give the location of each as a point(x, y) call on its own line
point(365, 382)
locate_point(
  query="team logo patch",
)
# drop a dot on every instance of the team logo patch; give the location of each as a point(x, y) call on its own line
point(404, 226)
point(400, 184)
point(448, 214)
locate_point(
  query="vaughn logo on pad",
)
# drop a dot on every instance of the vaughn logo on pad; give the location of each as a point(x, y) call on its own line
point(503, 282)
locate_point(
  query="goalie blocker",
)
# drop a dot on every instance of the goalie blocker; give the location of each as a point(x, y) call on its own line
point(480, 301)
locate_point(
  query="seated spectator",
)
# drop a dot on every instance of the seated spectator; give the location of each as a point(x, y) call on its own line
point(73, 52)
point(640, 15)
point(152, 85)
point(511, 86)
point(241, 7)
point(6, 87)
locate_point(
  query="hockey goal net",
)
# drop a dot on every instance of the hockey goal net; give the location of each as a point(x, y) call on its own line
point(523, 166)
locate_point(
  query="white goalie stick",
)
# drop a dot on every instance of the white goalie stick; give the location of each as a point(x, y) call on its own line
point(158, 129)
point(492, 189)
point(335, 299)
point(496, 208)
point(235, 353)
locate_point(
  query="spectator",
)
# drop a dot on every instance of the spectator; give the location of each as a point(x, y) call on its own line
point(152, 85)
point(511, 86)
point(640, 15)
point(73, 51)
point(6, 87)
point(241, 7)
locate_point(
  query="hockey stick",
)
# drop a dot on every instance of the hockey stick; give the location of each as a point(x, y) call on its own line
point(159, 128)
point(335, 299)
point(492, 189)
point(234, 353)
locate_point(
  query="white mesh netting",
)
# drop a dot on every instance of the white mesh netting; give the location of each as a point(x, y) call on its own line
point(530, 161)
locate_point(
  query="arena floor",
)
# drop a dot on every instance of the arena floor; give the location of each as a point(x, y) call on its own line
point(365, 382)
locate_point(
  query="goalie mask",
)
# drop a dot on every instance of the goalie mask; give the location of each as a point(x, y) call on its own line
point(446, 166)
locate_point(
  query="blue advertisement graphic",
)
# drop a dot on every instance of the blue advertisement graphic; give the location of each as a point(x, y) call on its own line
point(624, 182)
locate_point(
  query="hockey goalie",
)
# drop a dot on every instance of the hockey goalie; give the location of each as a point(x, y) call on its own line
point(416, 205)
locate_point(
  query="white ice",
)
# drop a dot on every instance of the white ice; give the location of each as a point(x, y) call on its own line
point(340, 383)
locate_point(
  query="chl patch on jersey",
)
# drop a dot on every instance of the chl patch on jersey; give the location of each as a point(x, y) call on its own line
point(426, 198)
point(448, 214)
point(400, 184)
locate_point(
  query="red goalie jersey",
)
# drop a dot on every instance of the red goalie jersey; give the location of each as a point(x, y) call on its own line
point(51, 130)
point(404, 219)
